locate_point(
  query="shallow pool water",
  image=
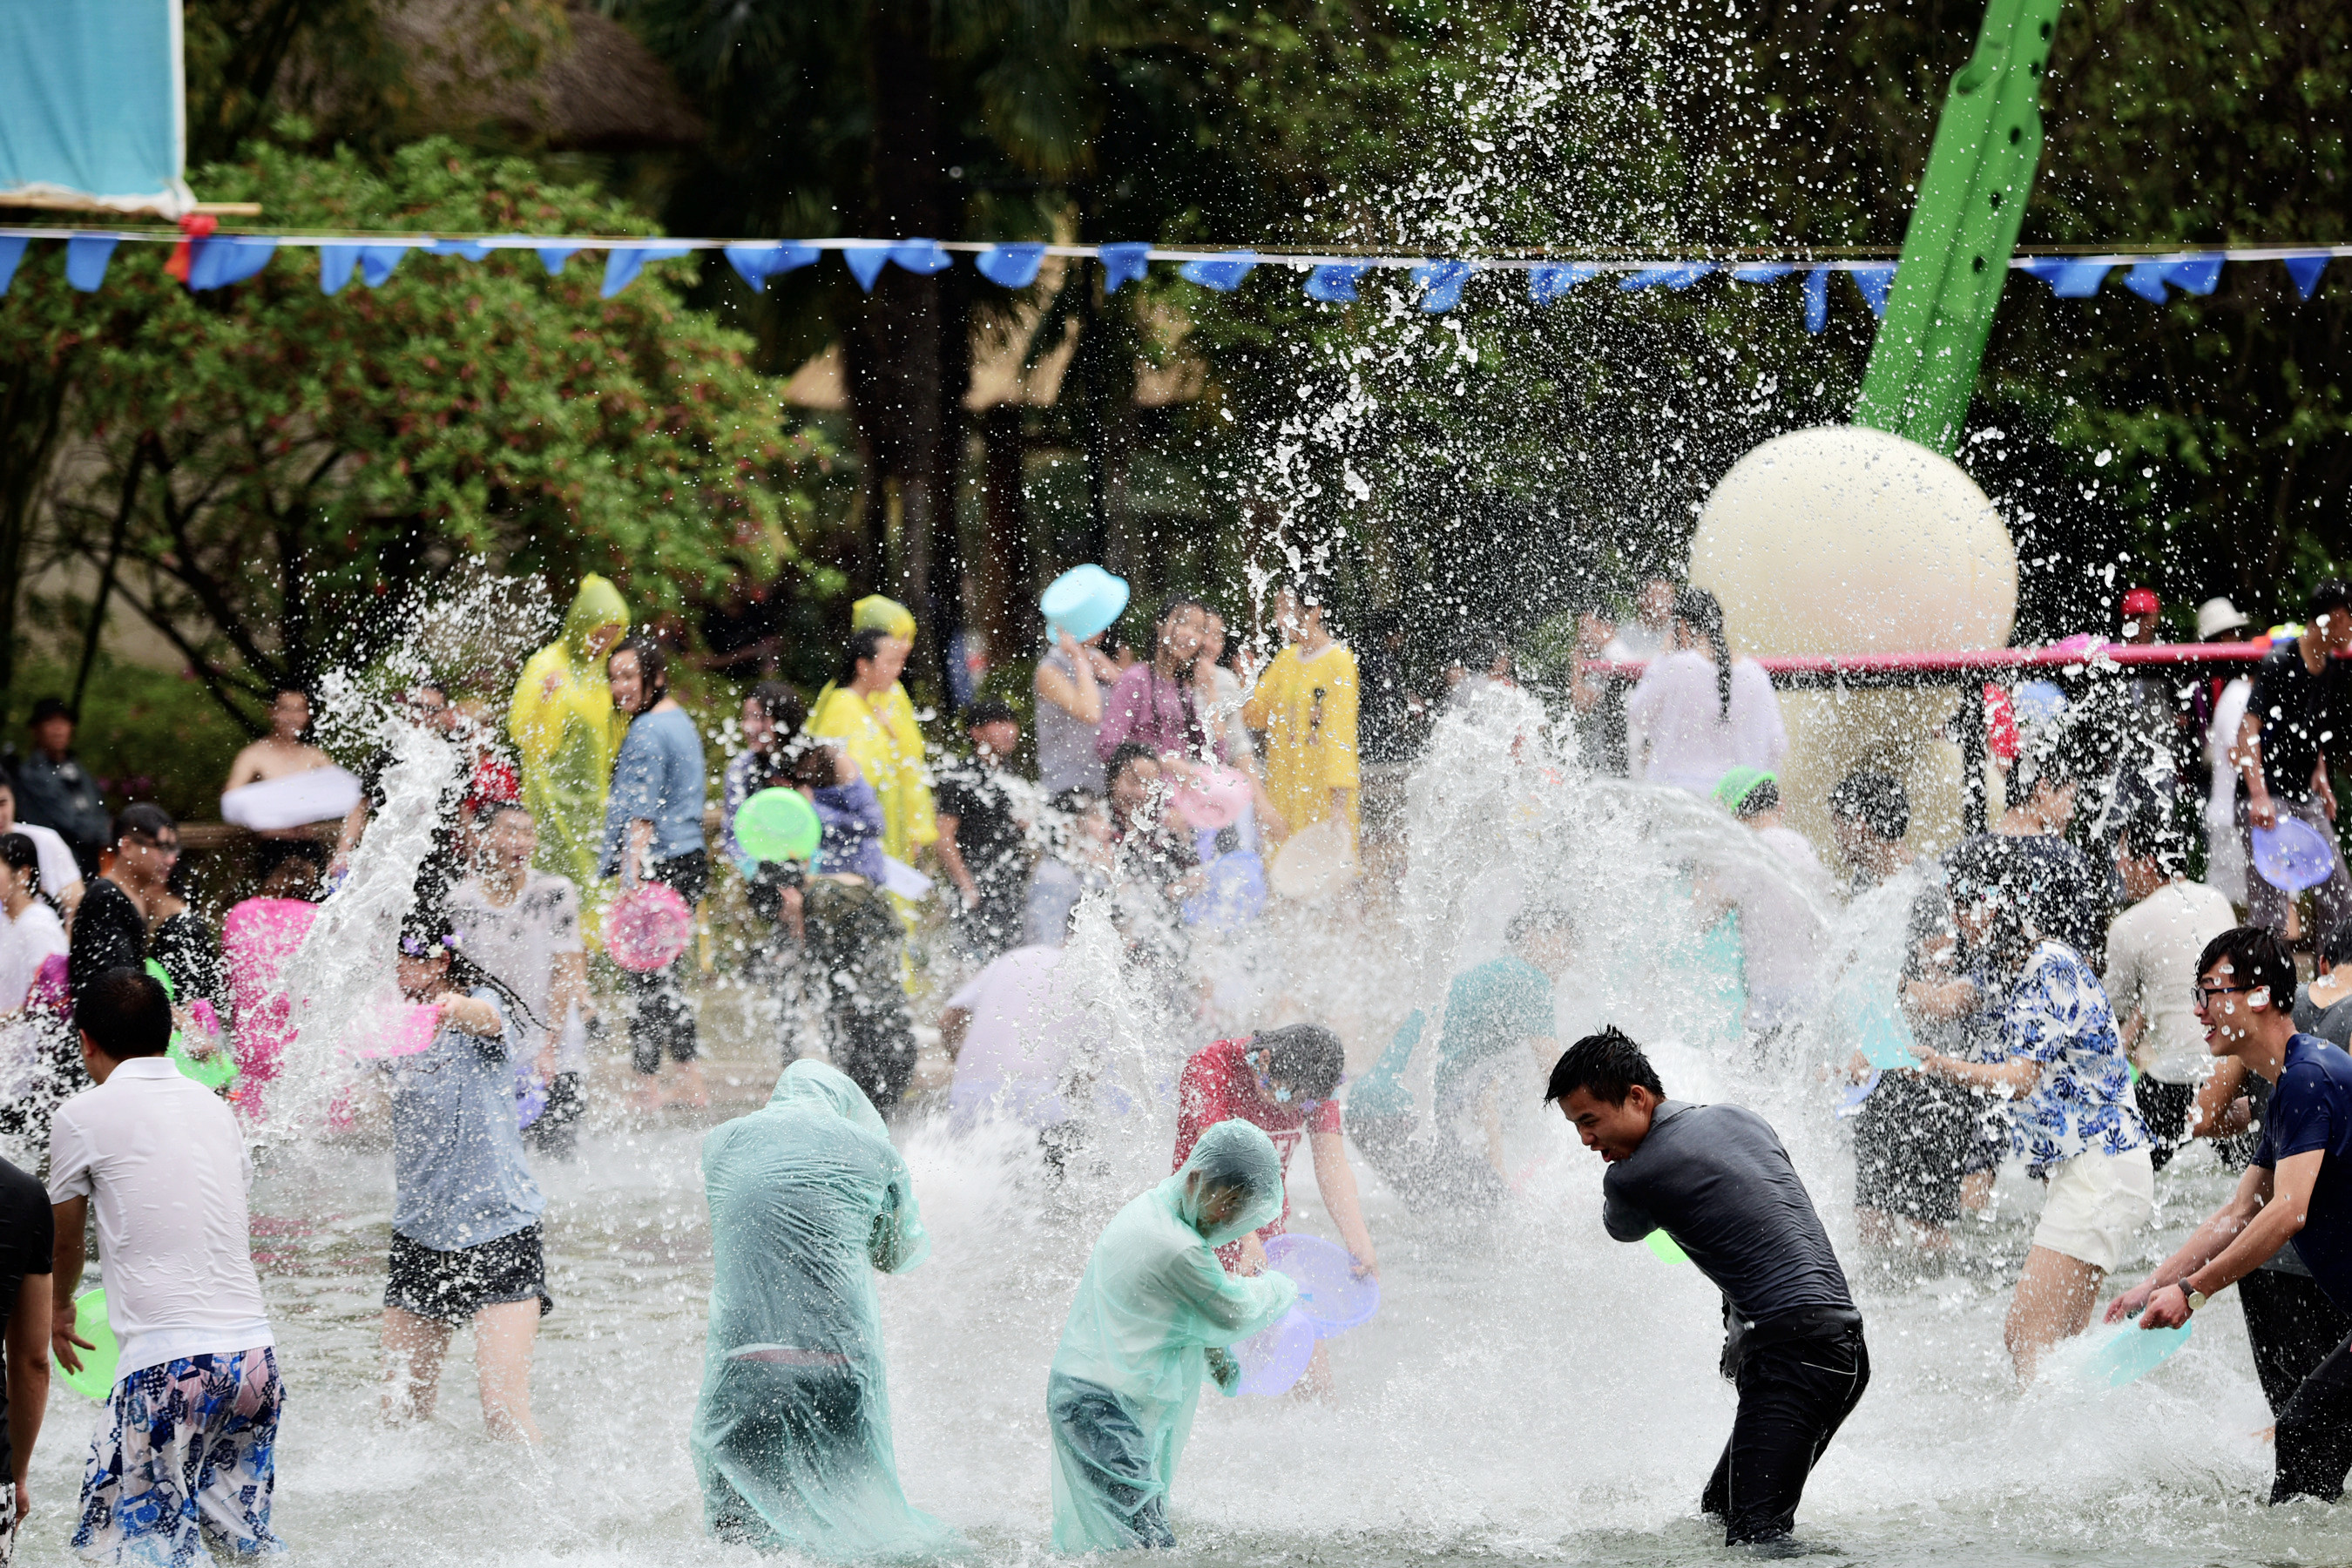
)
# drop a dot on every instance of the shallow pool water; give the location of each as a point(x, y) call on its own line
point(1529, 1390)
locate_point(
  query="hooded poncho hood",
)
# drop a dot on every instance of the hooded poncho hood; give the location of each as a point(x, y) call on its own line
point(596, 605)
point(1229, 1155)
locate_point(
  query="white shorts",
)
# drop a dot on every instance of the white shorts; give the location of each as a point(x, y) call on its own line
point(2096, 1202)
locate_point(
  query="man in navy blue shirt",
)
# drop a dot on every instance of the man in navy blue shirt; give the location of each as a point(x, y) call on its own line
point(2295, 1195)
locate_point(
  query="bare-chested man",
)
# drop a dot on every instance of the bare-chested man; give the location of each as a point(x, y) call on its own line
point(282, 753)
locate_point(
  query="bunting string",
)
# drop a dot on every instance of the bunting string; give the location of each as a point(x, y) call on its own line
point(206, 260)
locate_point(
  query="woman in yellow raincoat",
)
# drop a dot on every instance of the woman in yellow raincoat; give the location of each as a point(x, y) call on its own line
point(868, 710)
point(567, 732)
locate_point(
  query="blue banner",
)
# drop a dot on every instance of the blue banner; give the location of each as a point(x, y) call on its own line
point(91, 110)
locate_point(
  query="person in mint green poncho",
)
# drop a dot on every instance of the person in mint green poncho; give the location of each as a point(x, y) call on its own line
point(1153, 1314)
point(791, 1433)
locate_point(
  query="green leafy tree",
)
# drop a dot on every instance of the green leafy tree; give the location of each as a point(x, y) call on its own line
point(265, 463)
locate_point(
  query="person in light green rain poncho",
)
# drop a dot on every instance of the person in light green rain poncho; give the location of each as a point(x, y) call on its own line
point(791, 1432)
point(1154, 1313)
point(567, 732)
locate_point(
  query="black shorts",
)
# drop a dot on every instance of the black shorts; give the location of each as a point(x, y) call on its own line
point(451, 1286)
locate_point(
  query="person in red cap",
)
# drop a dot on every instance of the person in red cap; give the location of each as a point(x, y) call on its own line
point(2142, 611)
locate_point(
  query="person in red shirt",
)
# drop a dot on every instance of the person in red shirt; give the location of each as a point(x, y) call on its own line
point(1281, 1081)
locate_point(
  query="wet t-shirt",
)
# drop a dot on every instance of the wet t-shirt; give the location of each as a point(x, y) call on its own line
point(2299, 713)
point(459, 1177)
point(28, 1236)
point(2311, 1108)
point(1219, 1085)
point(1715, 1178)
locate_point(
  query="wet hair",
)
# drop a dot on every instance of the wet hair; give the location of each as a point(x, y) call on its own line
point(18, 852)
point(652, 667)
point(2257, 958)
point(126, 1013)
point(781, 704)
point(2148, 833)
point(1543, 920)
point(2053, 758)
point(1124, 753)
point(47, 708)
point(989, 710)
point(812, 764)
point(1606, 1065)
point(1763, 795)
point(1074, 801)
point(1174, 604)
point(863, 646)
point(1980, 872)
point(269, 854)
point(2331, 595)
point(2336, 947)
point(1699, 610)
point(146, 819)
point(1307, 1056)
point(427, 931)
point(1874, 800)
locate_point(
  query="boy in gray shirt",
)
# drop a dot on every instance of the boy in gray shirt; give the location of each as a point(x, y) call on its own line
point(1716, 1179)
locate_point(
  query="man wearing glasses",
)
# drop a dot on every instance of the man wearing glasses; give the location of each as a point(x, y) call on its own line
point(2293, 1202)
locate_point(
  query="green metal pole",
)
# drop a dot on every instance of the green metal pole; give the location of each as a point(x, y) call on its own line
point(1923, 368)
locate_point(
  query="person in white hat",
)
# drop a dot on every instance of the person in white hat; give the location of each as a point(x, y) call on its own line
point(2221, 702)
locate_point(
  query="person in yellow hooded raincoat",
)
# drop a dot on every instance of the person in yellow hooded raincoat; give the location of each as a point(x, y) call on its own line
point(867, 709)
point(567, 732)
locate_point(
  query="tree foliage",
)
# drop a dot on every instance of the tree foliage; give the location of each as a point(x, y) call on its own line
point(273, 460)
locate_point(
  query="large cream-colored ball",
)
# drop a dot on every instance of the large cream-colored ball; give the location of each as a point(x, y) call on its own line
point(1846, 540)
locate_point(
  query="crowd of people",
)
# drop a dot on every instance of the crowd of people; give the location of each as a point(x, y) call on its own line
point(2089, 1020)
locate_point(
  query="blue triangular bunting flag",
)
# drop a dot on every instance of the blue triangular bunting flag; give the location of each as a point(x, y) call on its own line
point(1225, 274)
point(1875, 282)
point(1549, 281)
point(553, 257)
point(2306, 271)
point(335, 264)
point(12, 251)
point(469, 249)
point(2147, 280)
point(2197, 275)
point(376, 262)
point(923, 257)
point(1333, 282)
point(216, 263)
point(2069, 279)
point(1678, 275)
point(1441, 282)
point(1124, 262)
point(756, 263)
point(1762, 271)
point(622, 267)
point(1817, 299)
point(86, 259)
point(1011, 266)
point(866, 263)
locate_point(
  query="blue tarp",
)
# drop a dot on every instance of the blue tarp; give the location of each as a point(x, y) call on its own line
point(90, 103)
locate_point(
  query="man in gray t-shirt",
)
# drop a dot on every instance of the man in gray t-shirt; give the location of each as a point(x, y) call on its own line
point(1716, 1179)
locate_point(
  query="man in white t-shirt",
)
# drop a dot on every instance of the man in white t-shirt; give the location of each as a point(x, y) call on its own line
point(523, 926)
point(2152, 950)
point(61, 877)
point(196, 1399)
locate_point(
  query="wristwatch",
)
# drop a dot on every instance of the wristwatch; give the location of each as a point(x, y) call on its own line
point(2196, 1298)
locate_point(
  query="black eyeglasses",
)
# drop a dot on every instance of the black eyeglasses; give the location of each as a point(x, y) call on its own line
point(2202, 996)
